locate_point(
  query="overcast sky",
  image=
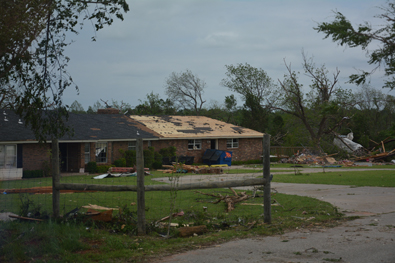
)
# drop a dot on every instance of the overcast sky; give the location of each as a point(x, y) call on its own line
point(134, 57)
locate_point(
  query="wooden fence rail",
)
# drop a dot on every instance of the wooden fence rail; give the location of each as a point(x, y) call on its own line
point(161, 187)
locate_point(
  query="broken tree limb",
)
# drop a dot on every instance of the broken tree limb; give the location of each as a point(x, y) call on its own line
point(229, 200)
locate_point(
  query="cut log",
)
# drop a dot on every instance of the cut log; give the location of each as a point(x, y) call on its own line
point(191, 230)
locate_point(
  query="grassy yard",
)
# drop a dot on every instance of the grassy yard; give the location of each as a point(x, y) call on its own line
point(79, 239)
point(72, 241)
point(356, 178)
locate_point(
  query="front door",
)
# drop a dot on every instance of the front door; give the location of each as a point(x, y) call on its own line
point(213, 144)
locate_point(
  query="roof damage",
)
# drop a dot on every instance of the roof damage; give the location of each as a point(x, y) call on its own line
point(193, 126)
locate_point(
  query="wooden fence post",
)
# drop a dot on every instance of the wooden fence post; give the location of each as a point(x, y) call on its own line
point(55, 178)
point(140, 188)
point(267, 215)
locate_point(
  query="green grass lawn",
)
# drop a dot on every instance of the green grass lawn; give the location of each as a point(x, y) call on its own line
point(356, 178)
point(290, 165)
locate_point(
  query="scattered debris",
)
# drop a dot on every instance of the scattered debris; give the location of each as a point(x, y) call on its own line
point(97, 207)
point(5, 216)
point(229, 200)
point(345, 142)
point(173, 215)
point(95, 215)
point(308, 158)
point(26, 218)
point(184, 168)
point(192, 230)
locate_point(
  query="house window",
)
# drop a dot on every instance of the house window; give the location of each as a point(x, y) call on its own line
point(87, 152)
point(194, 144)
point(132, 146)
point(7, 156)
point(101, 152)
point(232, 143)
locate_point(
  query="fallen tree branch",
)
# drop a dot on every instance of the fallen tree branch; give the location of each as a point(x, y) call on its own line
point(228, 199)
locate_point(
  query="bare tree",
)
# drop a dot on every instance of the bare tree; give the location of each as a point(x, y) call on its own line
point(321, 110)
point(186, 89)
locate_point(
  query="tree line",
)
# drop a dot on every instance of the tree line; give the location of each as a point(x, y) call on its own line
point(291, 114)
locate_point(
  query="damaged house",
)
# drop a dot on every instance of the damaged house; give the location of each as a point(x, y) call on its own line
point(99, 137)
point(193, 135)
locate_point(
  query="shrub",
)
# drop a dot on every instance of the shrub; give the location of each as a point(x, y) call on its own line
point(33, 174)
point(91, 167)
point(120, 162)
point(149, 157)
point(157, 165)
point(129, 156)
point(102, 169)
point(168, 152)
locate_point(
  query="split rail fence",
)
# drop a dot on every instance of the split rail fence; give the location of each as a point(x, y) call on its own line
point(140, 188)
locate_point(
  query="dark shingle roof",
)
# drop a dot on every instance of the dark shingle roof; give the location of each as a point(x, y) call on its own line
point(86, 127)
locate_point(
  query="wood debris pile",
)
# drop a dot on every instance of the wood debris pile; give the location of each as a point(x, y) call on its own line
point(378, 153)
point(184, 168)
point(306, 158)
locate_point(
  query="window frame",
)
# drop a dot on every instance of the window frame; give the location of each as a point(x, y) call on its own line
point(132, 147)
point(232, 143)
point(100, 146)
point(194, 144)
point(9, 160)
point(87, 154)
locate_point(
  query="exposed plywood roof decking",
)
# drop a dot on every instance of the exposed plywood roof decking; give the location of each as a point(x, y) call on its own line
point(194, 127)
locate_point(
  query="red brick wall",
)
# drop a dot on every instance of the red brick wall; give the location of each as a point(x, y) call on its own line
point(249, 149)
point(35, 155)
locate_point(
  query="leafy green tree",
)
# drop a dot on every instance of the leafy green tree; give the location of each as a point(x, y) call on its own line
point(365, 36)
point(154, 105)
point(230, 107)
point(186, 91)
point(373, 116)
point(32, 55)
point(255, 88)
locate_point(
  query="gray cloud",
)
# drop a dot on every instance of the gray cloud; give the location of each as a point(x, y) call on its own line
point(133, 58)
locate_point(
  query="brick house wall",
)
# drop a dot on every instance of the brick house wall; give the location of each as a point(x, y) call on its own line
point(249, 148)
point(35, 156)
